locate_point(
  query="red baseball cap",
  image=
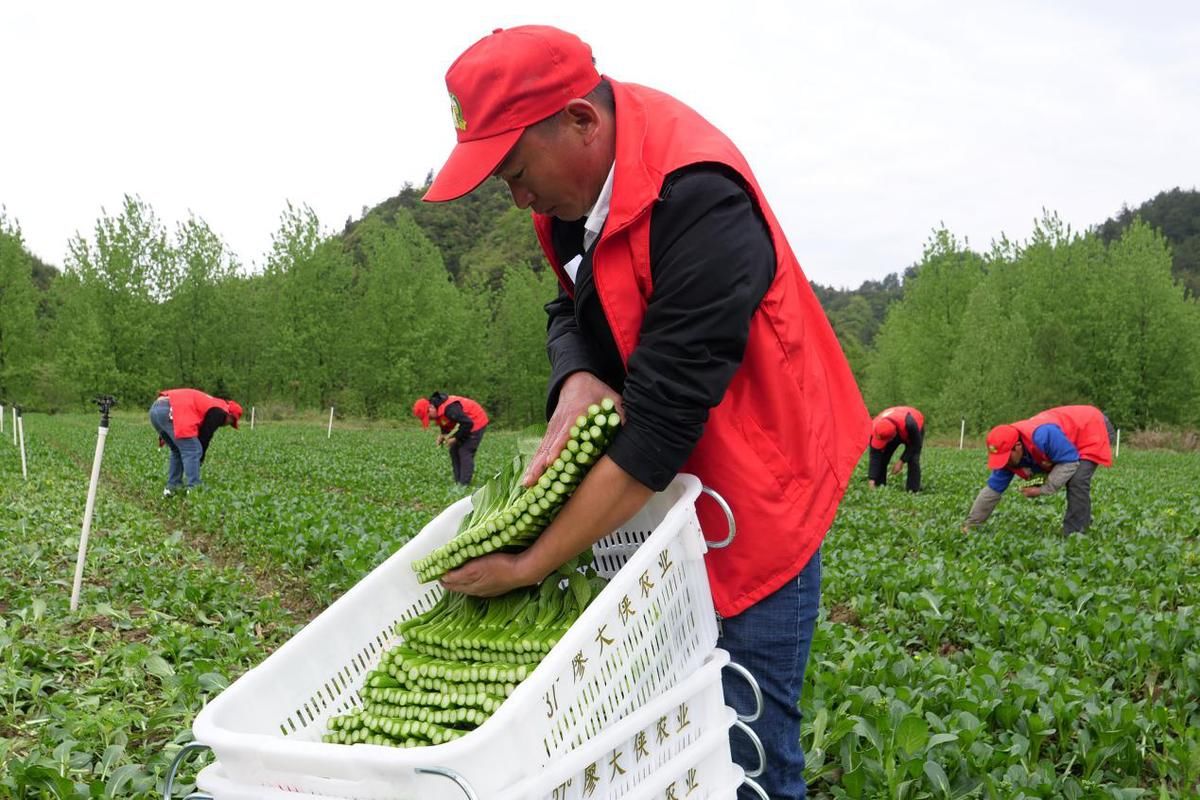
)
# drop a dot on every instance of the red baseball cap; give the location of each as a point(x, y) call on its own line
point(420, 410)
point(883, 432)
point(1000, 442)
point(235, 411)
point(501, 85)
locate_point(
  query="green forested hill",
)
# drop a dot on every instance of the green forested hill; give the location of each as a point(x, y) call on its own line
point(1177, 215)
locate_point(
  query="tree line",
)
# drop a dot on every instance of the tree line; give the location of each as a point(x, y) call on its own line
point(415, 297)
point(365, 321)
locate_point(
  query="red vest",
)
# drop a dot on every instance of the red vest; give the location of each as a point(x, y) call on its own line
point(478, 416)
point(1083, 426)
point(188, 407)
point(897, 414)
point(782, 443)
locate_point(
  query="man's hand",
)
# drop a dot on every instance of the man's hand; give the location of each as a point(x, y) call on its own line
point(966, 528)
point(488, 576)
point(578, 392)
point(897, 467)
point(1031, 491)
point(441, 439)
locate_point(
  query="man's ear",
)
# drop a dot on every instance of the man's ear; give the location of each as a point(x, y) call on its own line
point(584, 118)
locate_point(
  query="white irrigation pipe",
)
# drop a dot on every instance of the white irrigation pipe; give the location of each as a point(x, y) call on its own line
point(21, 436)
point(251, 417)
point(330, 431)
point(1118, 455)
point(14, 410)
point(962, 431)
point(89, 507)
point(1, 417)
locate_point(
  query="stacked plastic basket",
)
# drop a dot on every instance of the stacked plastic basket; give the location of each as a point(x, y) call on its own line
point(628, 704)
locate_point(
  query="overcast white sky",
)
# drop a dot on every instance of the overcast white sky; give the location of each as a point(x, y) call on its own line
point(868, 123)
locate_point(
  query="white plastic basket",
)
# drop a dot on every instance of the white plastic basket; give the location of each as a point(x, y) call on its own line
point(690, 719)
point(651, 626)
point(638, 747)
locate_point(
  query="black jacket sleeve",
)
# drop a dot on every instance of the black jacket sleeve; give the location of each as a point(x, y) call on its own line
point(455, 413)
point(712, 261)
point(213, 419)
point(566, 346)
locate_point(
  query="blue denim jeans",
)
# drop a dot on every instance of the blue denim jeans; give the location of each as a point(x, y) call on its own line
point(185, 453)
point(772, 640)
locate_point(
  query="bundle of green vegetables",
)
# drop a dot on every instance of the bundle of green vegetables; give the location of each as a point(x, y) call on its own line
point(506, 516)
point(460, 660)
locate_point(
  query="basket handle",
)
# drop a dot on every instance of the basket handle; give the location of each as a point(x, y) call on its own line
point(754, 740)
point(728, 540)
point(169, 787)
point(754, 787)
point(446, 772)
point(754, 687)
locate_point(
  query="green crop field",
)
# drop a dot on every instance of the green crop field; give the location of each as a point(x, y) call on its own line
point(1007, 663)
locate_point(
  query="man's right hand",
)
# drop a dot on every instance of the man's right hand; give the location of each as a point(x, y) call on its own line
point(579, 391)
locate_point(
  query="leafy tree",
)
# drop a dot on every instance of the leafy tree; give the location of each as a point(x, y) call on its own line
point(520, 369)
point(195, 322)
point(909, 366)
point(408, 321)
point(122, 270)
point(18, 315)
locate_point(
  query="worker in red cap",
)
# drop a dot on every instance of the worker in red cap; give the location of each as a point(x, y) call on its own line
point(895, 426)
point(1066, 444)
point(186, 420)
point(681, 298)
point(461, 423)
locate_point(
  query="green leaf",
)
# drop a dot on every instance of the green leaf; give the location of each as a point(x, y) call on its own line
point(213, 682)
point(157, 666)
point(912, 734)
point(941, 738)
point(121, 777)
point(937, 776)
point(112, 754)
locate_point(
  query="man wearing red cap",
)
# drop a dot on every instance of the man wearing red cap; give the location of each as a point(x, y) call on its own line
point(679, 296)
point(1065, 443)
point(461, 422)
point(899, 425)
point(186, 420)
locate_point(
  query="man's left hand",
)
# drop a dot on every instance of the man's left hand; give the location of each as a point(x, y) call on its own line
point(897, 467)
point(1031, 491)
point(487, 576)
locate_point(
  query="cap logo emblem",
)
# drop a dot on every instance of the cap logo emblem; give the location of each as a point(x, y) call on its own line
point(993, 449)
point(456, 113)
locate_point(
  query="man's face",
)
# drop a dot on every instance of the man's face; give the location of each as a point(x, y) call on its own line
point(1014, 457)
point(545, 171)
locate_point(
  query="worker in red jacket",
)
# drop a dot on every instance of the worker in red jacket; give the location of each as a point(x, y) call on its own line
point(899, 425)
point(186, 420)
point(461, 422)
point(679, 296)
point(1066, 444)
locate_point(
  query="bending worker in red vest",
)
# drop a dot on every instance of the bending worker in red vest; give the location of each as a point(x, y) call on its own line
point(1066, 443)
point(462, 422)
point(680, 296)
point(899, 425)
point(186, 420)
